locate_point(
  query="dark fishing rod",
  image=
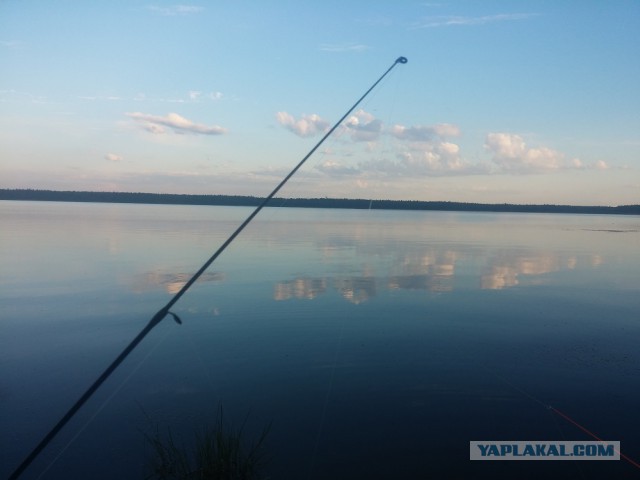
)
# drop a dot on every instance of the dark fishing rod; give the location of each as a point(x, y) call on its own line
point(164, 311)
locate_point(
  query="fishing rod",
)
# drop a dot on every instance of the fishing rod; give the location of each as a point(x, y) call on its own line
point(164, 311)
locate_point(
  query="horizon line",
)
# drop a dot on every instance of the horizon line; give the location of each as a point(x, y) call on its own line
point(330, 199)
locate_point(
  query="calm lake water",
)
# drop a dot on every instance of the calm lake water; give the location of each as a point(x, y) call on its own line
point(377, 343)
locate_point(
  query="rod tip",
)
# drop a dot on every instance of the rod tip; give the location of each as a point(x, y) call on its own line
point(402, 60)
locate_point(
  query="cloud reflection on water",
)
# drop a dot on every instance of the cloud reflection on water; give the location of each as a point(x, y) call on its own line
point(507, 270)
point(308, 288)
point(435, 271)
point(360, 256)
point(172, 282)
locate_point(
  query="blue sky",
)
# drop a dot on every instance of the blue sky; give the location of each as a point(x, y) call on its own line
point(520, 102)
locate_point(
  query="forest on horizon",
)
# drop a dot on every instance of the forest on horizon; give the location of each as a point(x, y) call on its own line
point(241, 200)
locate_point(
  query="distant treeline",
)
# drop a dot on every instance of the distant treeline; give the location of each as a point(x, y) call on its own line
point(246, 201)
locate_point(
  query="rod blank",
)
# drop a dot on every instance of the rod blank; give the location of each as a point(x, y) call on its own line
point(164, 311)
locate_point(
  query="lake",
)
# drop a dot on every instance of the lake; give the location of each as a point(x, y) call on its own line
point(378, 344)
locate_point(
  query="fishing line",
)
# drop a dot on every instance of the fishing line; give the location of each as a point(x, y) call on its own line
point(555, 419)
point(566, 417)
point(539, 402)
point(164, 311)
point(104, 404)
point(569, 419)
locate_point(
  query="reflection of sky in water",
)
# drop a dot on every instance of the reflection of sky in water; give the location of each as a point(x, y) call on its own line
point(435, 270)
point(416, 317)
point(172, 283)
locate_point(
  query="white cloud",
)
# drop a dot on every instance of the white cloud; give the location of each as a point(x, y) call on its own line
point(363, 127)
point(437, 158)
point(113, 157)
point(331, 167)
point(109, 98)
point(421, 133)
point(306, 126)
point(418, 150)
point(439, 161)
point(454, 20)
point(175, 122)
point(153, 128)
point(175, 10)
point(446, 130)
point(601, 165)
point(191, 96)
point(196, 96)
point(426, 150)
point(511, 154)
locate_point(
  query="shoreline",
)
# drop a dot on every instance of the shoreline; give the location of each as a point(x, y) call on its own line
point(344, 203)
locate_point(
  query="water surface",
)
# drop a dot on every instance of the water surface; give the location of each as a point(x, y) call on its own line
point(378, 343)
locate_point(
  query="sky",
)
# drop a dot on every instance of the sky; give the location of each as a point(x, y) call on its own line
point(500, 101)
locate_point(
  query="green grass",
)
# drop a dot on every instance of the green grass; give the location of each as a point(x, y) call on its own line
point(220, 453)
